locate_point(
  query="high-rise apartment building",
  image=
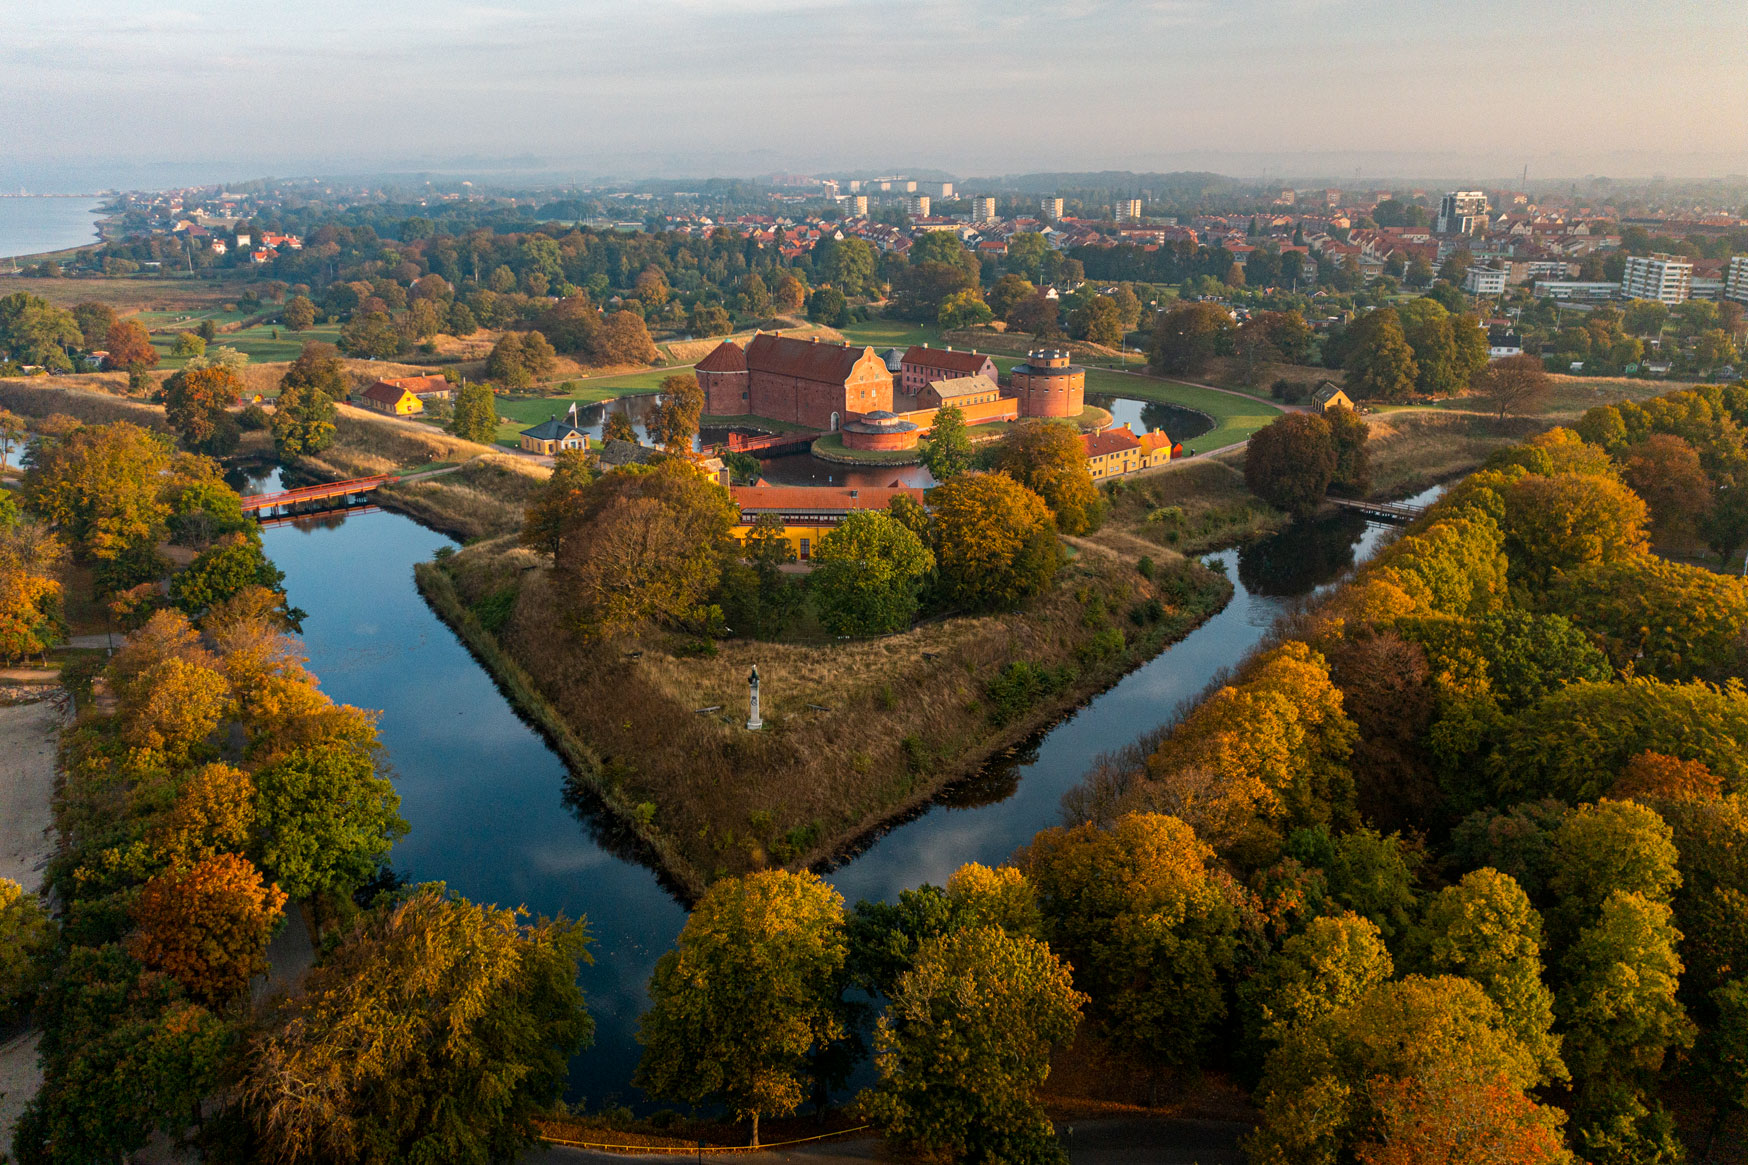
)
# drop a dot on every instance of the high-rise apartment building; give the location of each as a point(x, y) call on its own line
point(1461, 212)
point(983, 208)
point(946, 190)
point(859, 206)
point(917, 205)
point(1129, 210)
point(1736, 279)
point(1051, 208)
point(1666, 278)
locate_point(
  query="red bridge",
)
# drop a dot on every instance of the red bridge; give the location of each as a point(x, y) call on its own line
point(784, 442)
point(316, 493)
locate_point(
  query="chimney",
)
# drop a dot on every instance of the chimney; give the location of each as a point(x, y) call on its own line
point(816, 339)
point(855, 493)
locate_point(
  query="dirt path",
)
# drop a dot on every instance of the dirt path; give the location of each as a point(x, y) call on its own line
point(28, 736)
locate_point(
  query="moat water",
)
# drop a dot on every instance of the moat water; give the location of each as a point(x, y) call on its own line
point(487, 800)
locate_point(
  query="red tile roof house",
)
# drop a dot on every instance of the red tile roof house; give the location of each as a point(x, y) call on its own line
point(423, 387)
point(922, 364)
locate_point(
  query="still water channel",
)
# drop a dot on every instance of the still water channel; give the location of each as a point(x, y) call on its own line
point(486, 798)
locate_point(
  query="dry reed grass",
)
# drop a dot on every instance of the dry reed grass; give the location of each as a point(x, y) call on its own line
point(485, 498)
point(367, 443)
point(1217, 509)
point(41, 396)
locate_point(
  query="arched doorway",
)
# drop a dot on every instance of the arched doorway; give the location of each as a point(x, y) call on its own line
point(834, 422)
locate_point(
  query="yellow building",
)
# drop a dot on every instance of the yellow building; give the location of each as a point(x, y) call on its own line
point(1329, 395)
point(1112, 452)
point(808, 512)
point(549, 437)
point(389, 398)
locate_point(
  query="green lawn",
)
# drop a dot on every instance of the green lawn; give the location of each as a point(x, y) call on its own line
point(528, 411)
point(882, 334)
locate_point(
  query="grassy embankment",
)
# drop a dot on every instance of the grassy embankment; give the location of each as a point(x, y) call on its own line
point(858, 732)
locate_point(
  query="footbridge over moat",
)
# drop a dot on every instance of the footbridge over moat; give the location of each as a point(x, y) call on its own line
point(1400, 513)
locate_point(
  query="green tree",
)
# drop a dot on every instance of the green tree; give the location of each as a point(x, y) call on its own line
point(94, 320)
point(1187, 336)
point(232, 564)
point(1380, 364)
point(302, 421)
point(1009, 290)
point(1097, 321)
point(965, 1044)
point(27, 934)
point(1426, 325)
point(298, 314)
point(867, 573)
point(964, 309)
point(674, 421)
point(1660, 618)
point(1048, 458)
point(748, 992)
point(324, 819)
point(1332, 965)
point(828, 306)
point(188, 344)
point(319, 367)
point(995, 542)
point(1348, 435)
point(948, 451)
point(1606, 848)
point(371, 336)
point(475, 417)
point(436, 1030)
point(1485, 929)
point(852, 268)
point(1290, 462)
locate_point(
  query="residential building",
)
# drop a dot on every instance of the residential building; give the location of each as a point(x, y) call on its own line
point(387, 397)
point(549, 437)
point(946, 190)
point(1330, 395)
point(1502, 343)
point(922, 365)
point(1129, 210)
point(917, 206)
point(1668, 278)
point(983, 208)
point(1157, 448)
point(809, 513)
point(859, 206)
point(1736, 279)
point(1462, 212)
point(1051, 208)
point(1111, 453)
point(426, 388)
point(1484, 281)
point(801, 382)
point(959, 391)
point(1576, 289)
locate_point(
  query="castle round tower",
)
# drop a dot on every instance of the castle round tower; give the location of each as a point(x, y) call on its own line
point(1047, 385)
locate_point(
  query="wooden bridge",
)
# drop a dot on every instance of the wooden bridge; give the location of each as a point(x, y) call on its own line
point(1381, 511)
point(776, 443)
point(287, 500)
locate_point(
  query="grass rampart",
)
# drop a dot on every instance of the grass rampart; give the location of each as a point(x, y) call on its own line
point(858, 734)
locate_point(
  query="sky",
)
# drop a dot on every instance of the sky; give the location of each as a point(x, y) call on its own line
point(101, 92)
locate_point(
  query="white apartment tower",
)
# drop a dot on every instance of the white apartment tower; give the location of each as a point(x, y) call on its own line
point(1051, 208)
point(1736, 279)
point(983, 208)
point(859, 205)
point(1129, 210)
point(917, 205)
point(1461, 212)
point(1667, 278)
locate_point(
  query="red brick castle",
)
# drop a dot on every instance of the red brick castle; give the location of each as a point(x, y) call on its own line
point(803, 382)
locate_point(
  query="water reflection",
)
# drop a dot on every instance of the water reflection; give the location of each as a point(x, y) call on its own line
point(1301, 557)
point(806, 469)
point(1177, 421)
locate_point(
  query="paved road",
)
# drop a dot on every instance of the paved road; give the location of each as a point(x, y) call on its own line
point(1089, 1142)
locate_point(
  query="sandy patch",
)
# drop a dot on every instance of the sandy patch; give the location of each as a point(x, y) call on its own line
point(19, 1079)
point(28, 736)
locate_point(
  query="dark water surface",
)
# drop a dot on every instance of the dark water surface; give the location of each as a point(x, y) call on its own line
point(485, 796)
point(1148, 416)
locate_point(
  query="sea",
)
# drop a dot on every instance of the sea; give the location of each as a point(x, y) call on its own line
point(33, 225)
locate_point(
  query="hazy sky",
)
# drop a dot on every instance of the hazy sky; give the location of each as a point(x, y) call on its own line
point(696, 87)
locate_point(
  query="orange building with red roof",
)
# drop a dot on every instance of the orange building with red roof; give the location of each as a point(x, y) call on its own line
point(810, 512)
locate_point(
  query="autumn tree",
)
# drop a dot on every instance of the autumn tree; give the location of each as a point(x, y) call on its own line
point(129, 346)
point(298, 314)
point(619, 427)
point(1660, 618)
point(1380, 364)
point(1189, 335)
point(197, 403)
point(30, 589)
point(1332, 964)
point(475, 417)
point(623, 339)
point(867, 573)
point(207, 926)
point(995, 542)
point(787, 294)
point(1665, 471)
point(673, 423)
point(1444, 1117)
point(1348, 435)
point(94, 321)
point(748, 992)
point(1514, 384)
point(965, 1044)
point(317, 367)
point(1048, 458)
point(371, 335)
point(1559, 522)
point(643, 544)
point(948, 451)
point(34, 331)
point(549, 510)
point(436, 1030)
point(1141, 894)
point(1605, 848)
point(1036, 315)
point(1290, 462)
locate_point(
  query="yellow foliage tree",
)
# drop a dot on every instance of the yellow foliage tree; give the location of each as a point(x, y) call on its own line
point(207, 926)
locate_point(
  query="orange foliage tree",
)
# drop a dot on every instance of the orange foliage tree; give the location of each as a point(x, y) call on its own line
point(129, 346)
point(207, 926)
